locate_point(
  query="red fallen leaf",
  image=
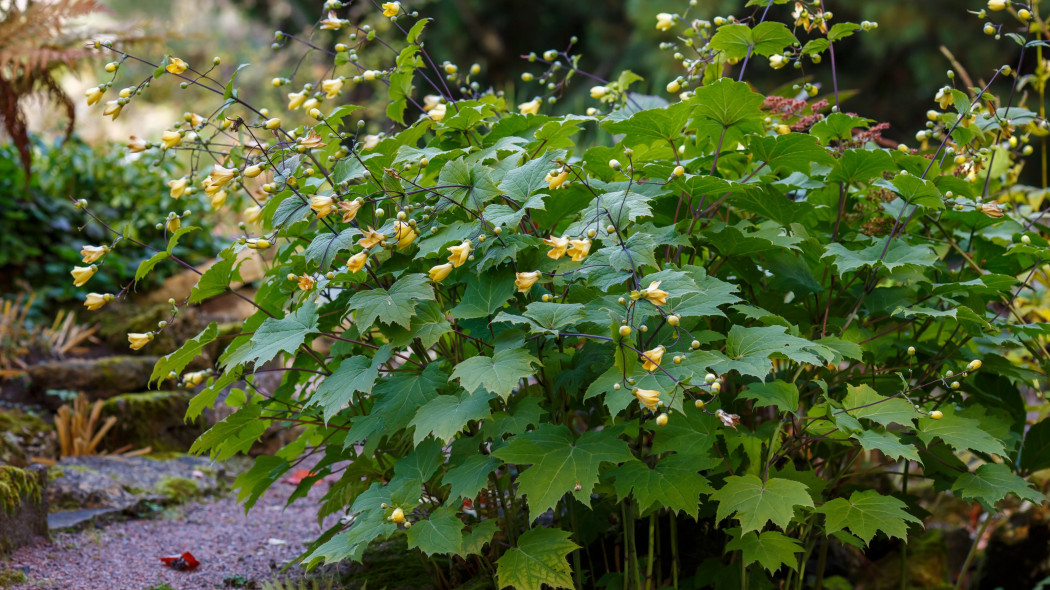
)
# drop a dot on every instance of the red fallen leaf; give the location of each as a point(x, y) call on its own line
point(186, 561)
point(299, 475)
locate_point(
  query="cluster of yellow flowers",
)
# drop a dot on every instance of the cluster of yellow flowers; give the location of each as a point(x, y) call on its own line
point(576, 249)
point(458, 256)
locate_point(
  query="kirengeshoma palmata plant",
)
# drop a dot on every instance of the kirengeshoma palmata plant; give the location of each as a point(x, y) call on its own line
point(544, 361)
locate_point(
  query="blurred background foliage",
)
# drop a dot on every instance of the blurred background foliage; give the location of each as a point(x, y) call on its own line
point(40, 237)
point(895, 72)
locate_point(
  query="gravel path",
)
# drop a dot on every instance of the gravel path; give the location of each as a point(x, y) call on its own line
point(125, 555)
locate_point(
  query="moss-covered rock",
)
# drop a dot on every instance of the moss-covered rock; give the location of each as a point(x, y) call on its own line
point(24, 436)
point(151, 419)
point(23, 506)
point(98, 378)
point(15, 485)
point(118, 321)
point(178, 489)
point(9, 578)
point(124, 482)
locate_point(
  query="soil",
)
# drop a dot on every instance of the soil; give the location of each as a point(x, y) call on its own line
point(234, 549)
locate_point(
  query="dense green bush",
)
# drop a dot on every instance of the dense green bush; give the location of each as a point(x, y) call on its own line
point(38, 230)
point(542, 358)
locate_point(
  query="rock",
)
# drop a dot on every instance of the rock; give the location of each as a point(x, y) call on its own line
point(75, 520)
point(152, 419)
point(23, 506)
point(25, 436)
point(124, 483)
point(129, 317)
point(98, 378)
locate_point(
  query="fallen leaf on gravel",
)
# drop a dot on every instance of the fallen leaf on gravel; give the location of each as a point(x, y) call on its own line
point(186, 561)
point(274, 541)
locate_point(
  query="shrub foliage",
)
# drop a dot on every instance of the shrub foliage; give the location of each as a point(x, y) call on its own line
point(522, 349)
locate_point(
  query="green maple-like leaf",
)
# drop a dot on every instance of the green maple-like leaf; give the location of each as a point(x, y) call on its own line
point(991, 482)
point(775, 393)
point(540, 558)
point(961, 433)
point(218, 277)
point(764, 39)
point(794, 152)
point(355, 375)
point(394, 305)
point(839, 127)
point(750, 350)
point(470, 476)
point(744, 239)
point(522, 413)
point(864, 402)
point(694, 433)
point(914, 190)
point(866, 513)
point(397, 397)
point(615, 399)
point(350, 545)
point(728, 103)
point(860, 165)
point(705, 300)
point(441, 532)
point(177, 361)
point(755, 503)
point(446, 415)
point(326, 246)
point(888, 443)
point(485, 294)
point(898, 255)
point(480, 534)
point(499, 373)
point(771, 549)
point(235, 434)
point(636, 252)
point(554, 316)
point(560, 464)
point(675, 483)
point(275, 336)
point(429, 325)
point(522, 182)
point(653, 124)
point(420, 464)
point(1035, 454)
point(472, 182)
point(147, 265)
point(771, 202)
point(499, 215)
point(207, 397)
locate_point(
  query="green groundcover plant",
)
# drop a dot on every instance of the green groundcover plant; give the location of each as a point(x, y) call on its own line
point(544, 360)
